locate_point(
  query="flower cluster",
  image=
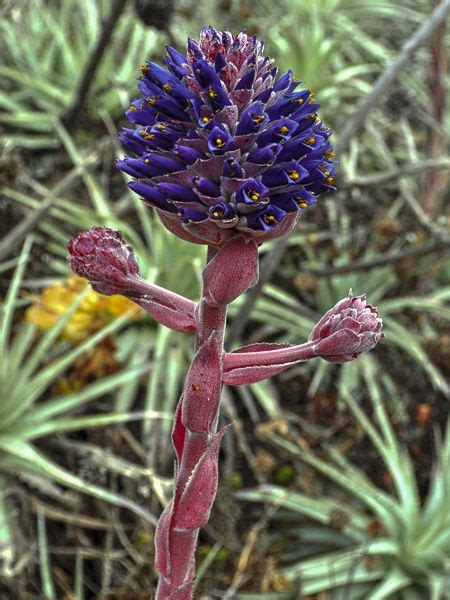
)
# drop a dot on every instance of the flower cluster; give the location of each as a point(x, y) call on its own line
point(225, 145)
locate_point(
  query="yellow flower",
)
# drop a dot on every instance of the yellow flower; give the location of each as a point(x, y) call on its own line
point(94, 311)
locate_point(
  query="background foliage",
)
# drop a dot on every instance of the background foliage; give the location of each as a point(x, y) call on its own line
point(335, 479)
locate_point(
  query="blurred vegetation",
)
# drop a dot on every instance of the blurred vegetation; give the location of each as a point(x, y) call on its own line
point(334, 478)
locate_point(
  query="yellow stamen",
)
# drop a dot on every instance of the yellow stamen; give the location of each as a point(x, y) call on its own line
point(293, 174)
point(160, 126)
point(206, 119)
point(257, 120)
point(329, 180)
point(167, 87)
point(212, 93)
point(133, 108)
point(284, 130)
point(217, 213)
point(220, 143)
point(311, 140)
point(253, 195)
point(147, 161)
point(151, 99)
point(269, 219)
point(329, 154)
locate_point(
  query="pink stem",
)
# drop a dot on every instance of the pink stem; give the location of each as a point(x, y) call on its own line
point(271, 357)
point(197, 446)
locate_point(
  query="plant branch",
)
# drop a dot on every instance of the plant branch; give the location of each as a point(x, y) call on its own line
point(381, 260)
point(387, 78)
point(71, 117)
point(416, 168)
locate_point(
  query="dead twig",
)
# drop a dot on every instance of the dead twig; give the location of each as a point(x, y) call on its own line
point(244, 560)
point(10, 242)
point(84, 521)
point(72, 116)
point(387, 78)
point(381, 260)
point(437, 73)
point(376, 179)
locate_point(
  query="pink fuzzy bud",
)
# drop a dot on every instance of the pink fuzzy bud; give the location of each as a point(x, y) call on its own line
point(349, 328)
point(102, 256)
point(352, 326)
point(232, 271)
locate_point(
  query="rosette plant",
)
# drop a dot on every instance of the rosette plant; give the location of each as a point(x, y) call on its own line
point(229, 154)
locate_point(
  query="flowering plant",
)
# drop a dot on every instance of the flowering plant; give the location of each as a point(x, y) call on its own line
point(229, 154)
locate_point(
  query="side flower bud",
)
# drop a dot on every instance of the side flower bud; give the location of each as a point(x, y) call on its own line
point(352, 326)
point(349, 328)
point(102, 256)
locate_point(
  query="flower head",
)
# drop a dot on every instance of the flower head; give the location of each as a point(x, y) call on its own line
point(352, 326)
point(224, 144)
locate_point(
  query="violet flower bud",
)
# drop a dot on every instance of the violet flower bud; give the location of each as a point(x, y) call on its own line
point(352, 326)
point(102, 256)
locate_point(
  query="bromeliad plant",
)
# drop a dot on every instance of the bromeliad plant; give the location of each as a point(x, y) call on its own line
point(229, 154)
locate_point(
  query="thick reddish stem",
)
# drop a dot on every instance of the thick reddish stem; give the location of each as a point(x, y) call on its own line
point(195, 437)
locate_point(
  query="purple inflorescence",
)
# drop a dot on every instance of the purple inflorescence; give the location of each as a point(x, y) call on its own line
point(224, 145)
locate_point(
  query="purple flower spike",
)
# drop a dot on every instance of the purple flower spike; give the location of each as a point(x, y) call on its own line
point(349, 328)
point(222, 113)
